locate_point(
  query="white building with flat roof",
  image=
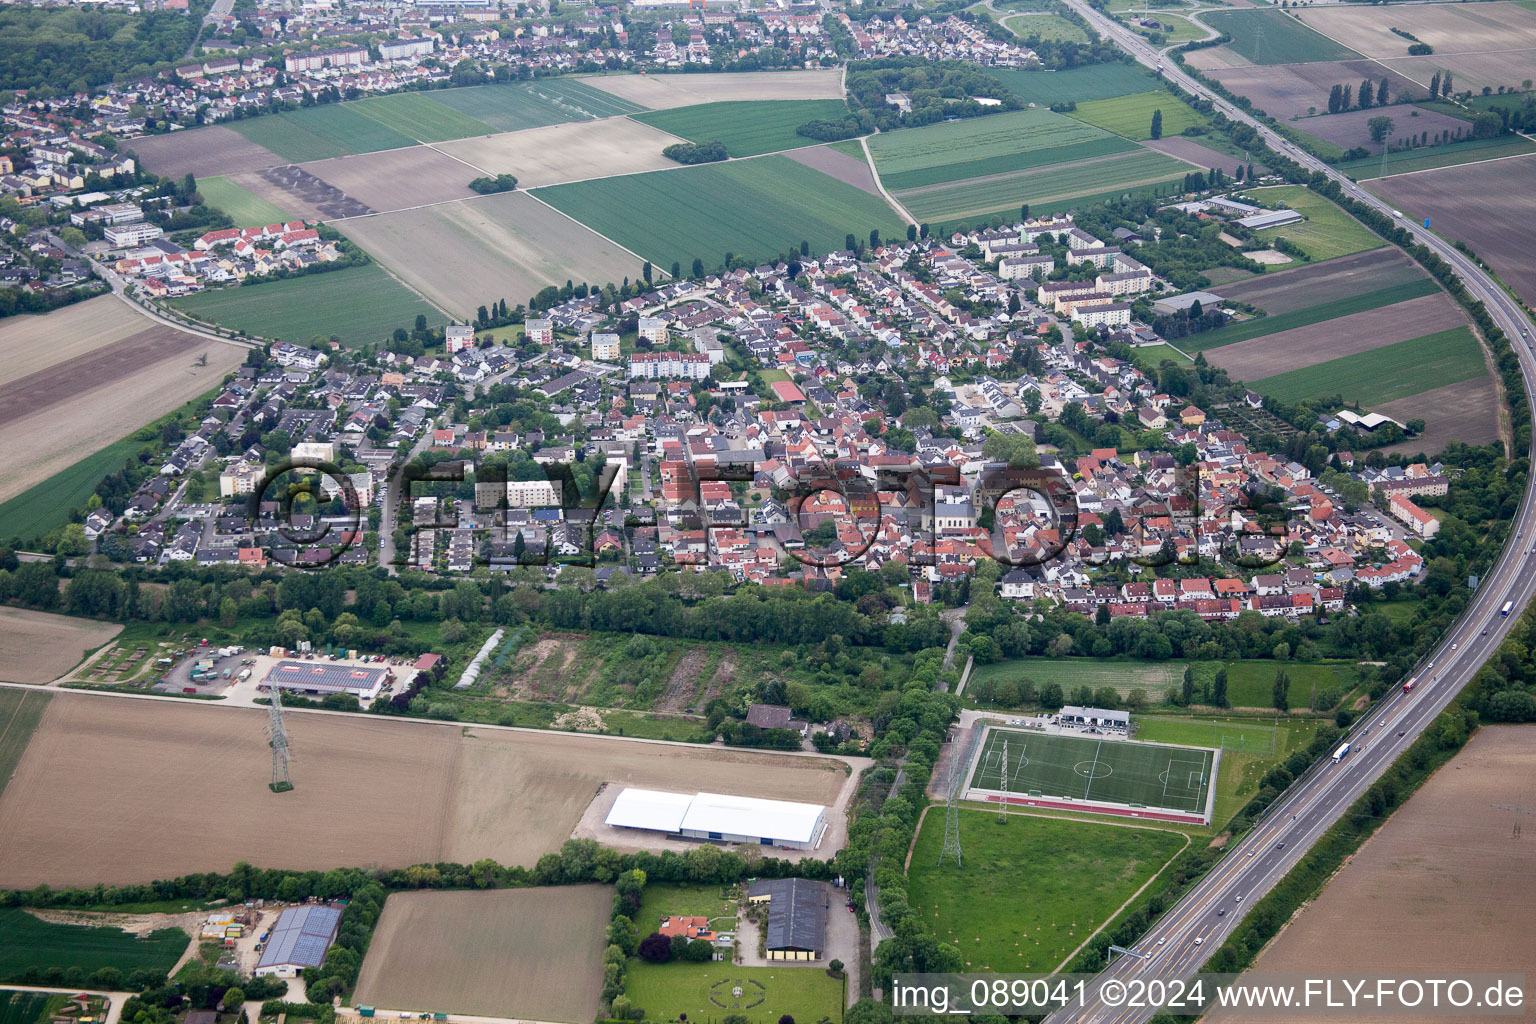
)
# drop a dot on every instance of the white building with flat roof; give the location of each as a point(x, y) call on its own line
point(721, 818)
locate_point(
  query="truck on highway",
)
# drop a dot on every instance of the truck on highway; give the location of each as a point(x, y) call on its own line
point(1408, 686)
point(1338, 755)
point(1509, 606)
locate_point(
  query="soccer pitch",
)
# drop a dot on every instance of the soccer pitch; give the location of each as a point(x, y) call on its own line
point(1109, 771)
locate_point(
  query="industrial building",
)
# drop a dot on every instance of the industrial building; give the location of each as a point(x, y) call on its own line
point(299, 940)
point(727, 819)
point(797, 916)
point(322, 679)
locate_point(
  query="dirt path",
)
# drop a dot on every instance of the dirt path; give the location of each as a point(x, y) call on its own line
point(875, 172)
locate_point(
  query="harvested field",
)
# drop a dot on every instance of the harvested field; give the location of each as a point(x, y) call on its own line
point(1291, 90)
point(1350, 129)
point(303, 191)
point(1440, 889)
point(36, 647)
point(367, 792)
point(1215, 58)
point(205, 152)
point(661, 91)
point(394, 180)
point(1201, 156)
point(1361, 332)
point(565, 152)
point(1329, 281)
point(1489, 206)
point(522, 953)
point(1467, 411)
point(849, 170)
point(84, 414)
point(508, 246)
point(35, 342)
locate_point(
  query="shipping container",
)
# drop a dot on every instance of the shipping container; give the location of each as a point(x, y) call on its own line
point(366, 1011)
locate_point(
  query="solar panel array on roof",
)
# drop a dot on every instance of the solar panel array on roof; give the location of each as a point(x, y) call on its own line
point(295, 675)
point(301, 937)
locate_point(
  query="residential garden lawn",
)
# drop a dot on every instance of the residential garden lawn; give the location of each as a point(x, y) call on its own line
point(247, 209)
point(1327, 231)
point(26, 941)
point(359, 304)
point(319, 133)
point(515, 106)
point(421, 117)
point(989, 144)
point(1471, 151)
point(1131, 116)
point(1124, 674)
point(1049, 27)
point(753, 208)
point(39, 509)
point(1260, 326)
point(1031, 889)
point(773, 375)
point(667, 899)
point(1096, 82)
point(20, 711)
point(664, 991)
point(1386, 373)
point(1284, 39)
point(748, 128)
point(1150, 357)
point(1399, 611)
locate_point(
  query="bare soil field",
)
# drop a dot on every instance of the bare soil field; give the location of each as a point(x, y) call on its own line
point(1482, 44)
point(660, 92)
point(1441, 888)
point(1331, 339)
point(1467, 411)
point(32, 343)
point(396, 179)
point(850, 170)
point(1351, 128)
point(291, 187)
point(460, 255)
point(85, 414)
point(566, 152)
point(36, 647)
point(205, 152)
point(367, 792)
point(1328, 281)
point(1488, 205)
point(1290, 90)
point(1214, 58)
point(521, 953)
point(1201, 156)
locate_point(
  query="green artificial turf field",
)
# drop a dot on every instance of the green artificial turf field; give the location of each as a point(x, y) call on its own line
point(1093, 768)
point(1270, 36)
point(747, 128)
point(755, 208)
point(1386, 373)
point(358, 304)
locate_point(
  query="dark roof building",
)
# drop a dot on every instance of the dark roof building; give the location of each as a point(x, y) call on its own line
point(299, 940)
point(797, 916)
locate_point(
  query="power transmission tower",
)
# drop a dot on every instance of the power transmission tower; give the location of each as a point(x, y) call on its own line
point(952, 816)
point(277, 738)
point(1520, 812)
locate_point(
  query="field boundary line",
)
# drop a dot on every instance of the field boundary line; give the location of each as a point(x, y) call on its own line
point(1447, 167)
point(654, 266)
point(869, 158)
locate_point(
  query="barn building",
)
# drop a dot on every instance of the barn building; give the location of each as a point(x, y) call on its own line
point(299, 940)
point(321, 680)
point(724, 819)
point(797, 916)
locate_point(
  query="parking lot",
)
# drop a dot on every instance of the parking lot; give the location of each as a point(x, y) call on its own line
point(245, 691)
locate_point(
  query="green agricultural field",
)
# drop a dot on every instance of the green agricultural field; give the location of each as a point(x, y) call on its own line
point(969, 200)
point(319, 133)
point(1022, 159)
point(1131, 116)
point(705, 992)
point(419, 116)
point(39, 509)
point(747, 128)
point(1272, 37)
point(26, 941)
point(22, 1007)
point(1471, 151)
point(246, 208)
point(1260, 326)
point(513, 107)
point(1031, 889)
point(20, 711)
point(359, 304)
point(1088, 768)
point(1097, 82)
point(1045, 26)
point(1327, 232)
point(1383, 374)
point(754, 208)
point(969, 145)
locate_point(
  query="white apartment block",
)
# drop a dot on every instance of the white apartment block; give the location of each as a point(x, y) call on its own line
point(688, 365)
point(605, 347)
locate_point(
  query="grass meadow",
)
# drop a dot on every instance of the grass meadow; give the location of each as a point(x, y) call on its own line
point(359, 305)
point(748, 128)
point(704, 991)
point(1096, 82)
point(1046, 26)
point(1271, 36)
point(1032, 888)
point(1327, 231)
point(754, 208)
point(1263, 325)
point(246, 208)
point(1450, 155)
point(26, 941)
point(1131, 116)
point(1386, 373)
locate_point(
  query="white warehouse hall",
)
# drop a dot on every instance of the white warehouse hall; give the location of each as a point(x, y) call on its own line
point(729, 819)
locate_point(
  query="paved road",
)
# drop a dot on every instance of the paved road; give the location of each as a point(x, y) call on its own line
point(1185, 937)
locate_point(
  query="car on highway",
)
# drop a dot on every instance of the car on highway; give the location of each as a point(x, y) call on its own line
point(1199, 939)
point(1280, 846)
point(1222, 912)
point(1162, 942)
point(1401, 734)
point(1238, 898)
point(1454, 646)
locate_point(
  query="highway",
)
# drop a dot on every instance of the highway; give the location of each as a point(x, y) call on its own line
point(1187, 934)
